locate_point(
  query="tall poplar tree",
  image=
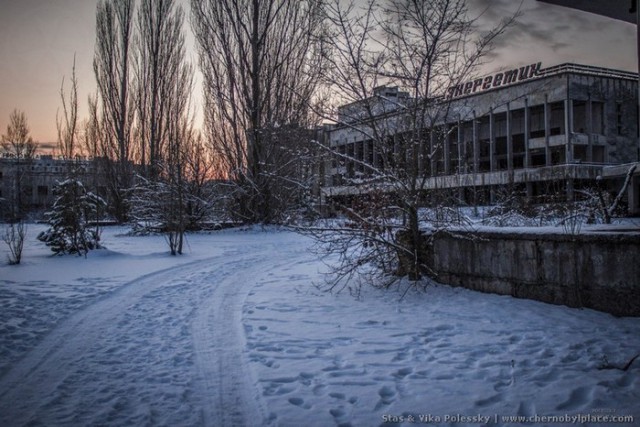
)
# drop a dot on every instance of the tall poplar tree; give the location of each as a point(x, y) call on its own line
point(113, 71)
point(260, 62)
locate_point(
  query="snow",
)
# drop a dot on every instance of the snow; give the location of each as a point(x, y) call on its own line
point(235, 333)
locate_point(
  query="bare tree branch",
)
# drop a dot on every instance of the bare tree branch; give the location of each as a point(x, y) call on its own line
point(67, 125)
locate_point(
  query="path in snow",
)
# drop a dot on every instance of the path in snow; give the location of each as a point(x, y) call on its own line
point(230, 397)
point(129, 358)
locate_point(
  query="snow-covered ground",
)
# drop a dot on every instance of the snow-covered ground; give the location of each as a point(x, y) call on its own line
point(235, 333)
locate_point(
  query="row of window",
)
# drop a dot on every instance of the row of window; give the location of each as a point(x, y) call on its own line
point(585, 120)
point(464, 164)
point(581, 120)
point(456, 152)
point(44, 192)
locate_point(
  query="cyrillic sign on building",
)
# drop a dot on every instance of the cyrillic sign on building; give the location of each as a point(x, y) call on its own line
point(494, 81)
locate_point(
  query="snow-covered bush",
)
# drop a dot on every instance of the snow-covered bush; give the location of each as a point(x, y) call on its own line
point(443, 215)
point(69, 231)
point(160, 206)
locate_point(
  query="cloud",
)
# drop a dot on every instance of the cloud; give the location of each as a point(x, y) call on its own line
point(491, 10)
point(554, 34)
point(526, 33)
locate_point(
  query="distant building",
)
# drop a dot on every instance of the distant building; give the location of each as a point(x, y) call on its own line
point(532, 128)
point(35, 180)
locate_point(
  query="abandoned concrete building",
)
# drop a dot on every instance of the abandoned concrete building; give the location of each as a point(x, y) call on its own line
point(30, 182)
point(555, 129)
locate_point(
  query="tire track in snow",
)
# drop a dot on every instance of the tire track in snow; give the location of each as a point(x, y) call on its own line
point(231, 395)
point(228, 397)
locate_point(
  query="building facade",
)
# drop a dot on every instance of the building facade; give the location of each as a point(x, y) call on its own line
point(26, 185)
point(533, 128)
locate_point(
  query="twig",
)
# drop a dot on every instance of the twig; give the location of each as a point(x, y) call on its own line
point(624, 368)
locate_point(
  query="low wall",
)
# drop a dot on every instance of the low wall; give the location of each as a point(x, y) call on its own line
point(599, 271)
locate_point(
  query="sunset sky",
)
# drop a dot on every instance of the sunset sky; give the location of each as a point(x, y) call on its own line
point(38, 40)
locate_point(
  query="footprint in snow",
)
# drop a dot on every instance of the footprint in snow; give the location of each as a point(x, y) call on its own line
point(368, 323)
point(338, 413)
point(490, 400)
point(570, 358)
point(626, 380)
point(305, 378)
point(387, 395)
point(319, 389)
point(341, 396)
point(527, 409)
point(399, 357)
point(402, 373)
point(515, 339)
point(578, 398)
point(297, 401)
point(444, 377)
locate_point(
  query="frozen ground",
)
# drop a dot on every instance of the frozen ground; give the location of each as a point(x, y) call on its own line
point(234, 333)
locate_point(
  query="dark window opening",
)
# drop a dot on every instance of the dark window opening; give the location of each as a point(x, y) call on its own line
point(536, 121)
point(580, 116)
point(558, 155)
point(598, 154)
point(580, 153)
point(538, 158)
point(557, 118)
point(518, 162)
point(500, 125)
point(597, 118)
point(501, 145)
point(517, 122)
point(518, 143)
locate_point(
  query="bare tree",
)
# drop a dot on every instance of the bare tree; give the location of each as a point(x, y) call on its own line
point(608, 211)
point(19, 148)
point(14, 235)
point(112, 68)
point(201, 174)
point(17, 143)
point(91, 139)
point(91, 131)
point(600, 203)
point(163, 204)
point(159, 51)
point(67, 124)
point(260, 61)
point(420, 49)
point(180, 128)
point(165, 120)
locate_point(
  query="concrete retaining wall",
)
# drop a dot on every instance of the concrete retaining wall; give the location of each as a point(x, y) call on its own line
point(599, 271)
